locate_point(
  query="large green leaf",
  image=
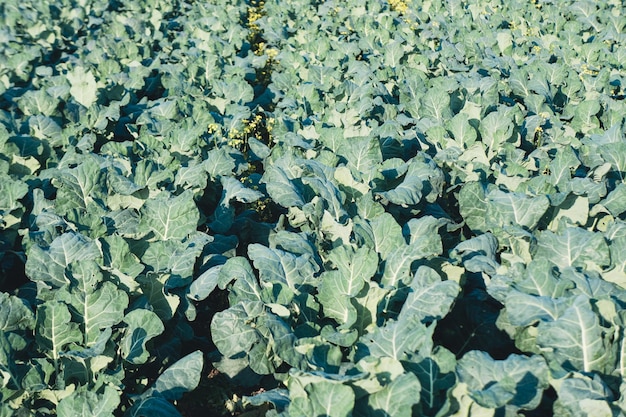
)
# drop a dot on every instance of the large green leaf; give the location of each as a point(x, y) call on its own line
point(231, 329)
point(83, 86)
point(334, 299)
point(169, 216)
point(142, 326)
point(495, 129)
point(583, 396)
point(576, 340)
point(78, 186)
point(96, 303)
point(398, 338)
point(517, 381)
point(324, 398)
point(55, 330)
point(281, 187)
point(363, 155)
point(397, 398)
point(10, 192)
point(386, 235)
point(473, 206)
point(398, 265)
point(356, 266)
point(504, 209)
point(246, 286)
point(430, 297)
point(278, 266)
point(435, 371)
point(235, 190)
point(15, 313)
point(539, 279)
point(573, 246)
point(182, 376)
point(524, 309)
point(436, 104)
point(88, 404)
point(152, 406)
point(218, 163)
point(49, 264)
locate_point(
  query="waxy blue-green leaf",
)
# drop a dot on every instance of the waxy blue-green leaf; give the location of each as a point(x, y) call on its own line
point(333, 138)
point(430, 298)
point(540, 280)
point(394, 51)
point(614, 154)
point(408, 192)
point(203, 286)
point(246, 286)
point(281, 186)
point(423, 180)
point(278, 397)
point(284, 342)
point(577, 395)
point(231, 330)
point(119, 260)
point(525, 309)
point(386, 235)
point(356, 265)
point(398, 397)
point(97, 304)
point(462, 131)
point(37, 102)
point(218, 163)
point(498, 383)
point(121, 184)
point(478, 254)
point(495, 129)
point(572, 247)
point(435, 371)
point(330, 193)
point(152, 406)
point(235, 190)
point(278, 266)
point(398, 264)
point(615, 201)
point(142, 326)
point(562, 166)
point(576, 339)
point(362, 155)
point(54, 328)
point(182, 260)
point(298, 243)
point(125, 223)
point(77, 187)
point(88, 404)
point(473, 206)
point(84, 88)
point(169, 216)
point(507, 208)
point(335, 302)
point(585, 116)
point(15, 313)
point(49, 264)
point(182, 376)
point(193, 176)
point(10, 192)
point(589, 283)
point(435, 104)
point(323, 398)
point(425, 230)
point(398, 338)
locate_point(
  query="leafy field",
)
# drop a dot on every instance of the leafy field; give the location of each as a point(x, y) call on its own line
point(312, 208)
